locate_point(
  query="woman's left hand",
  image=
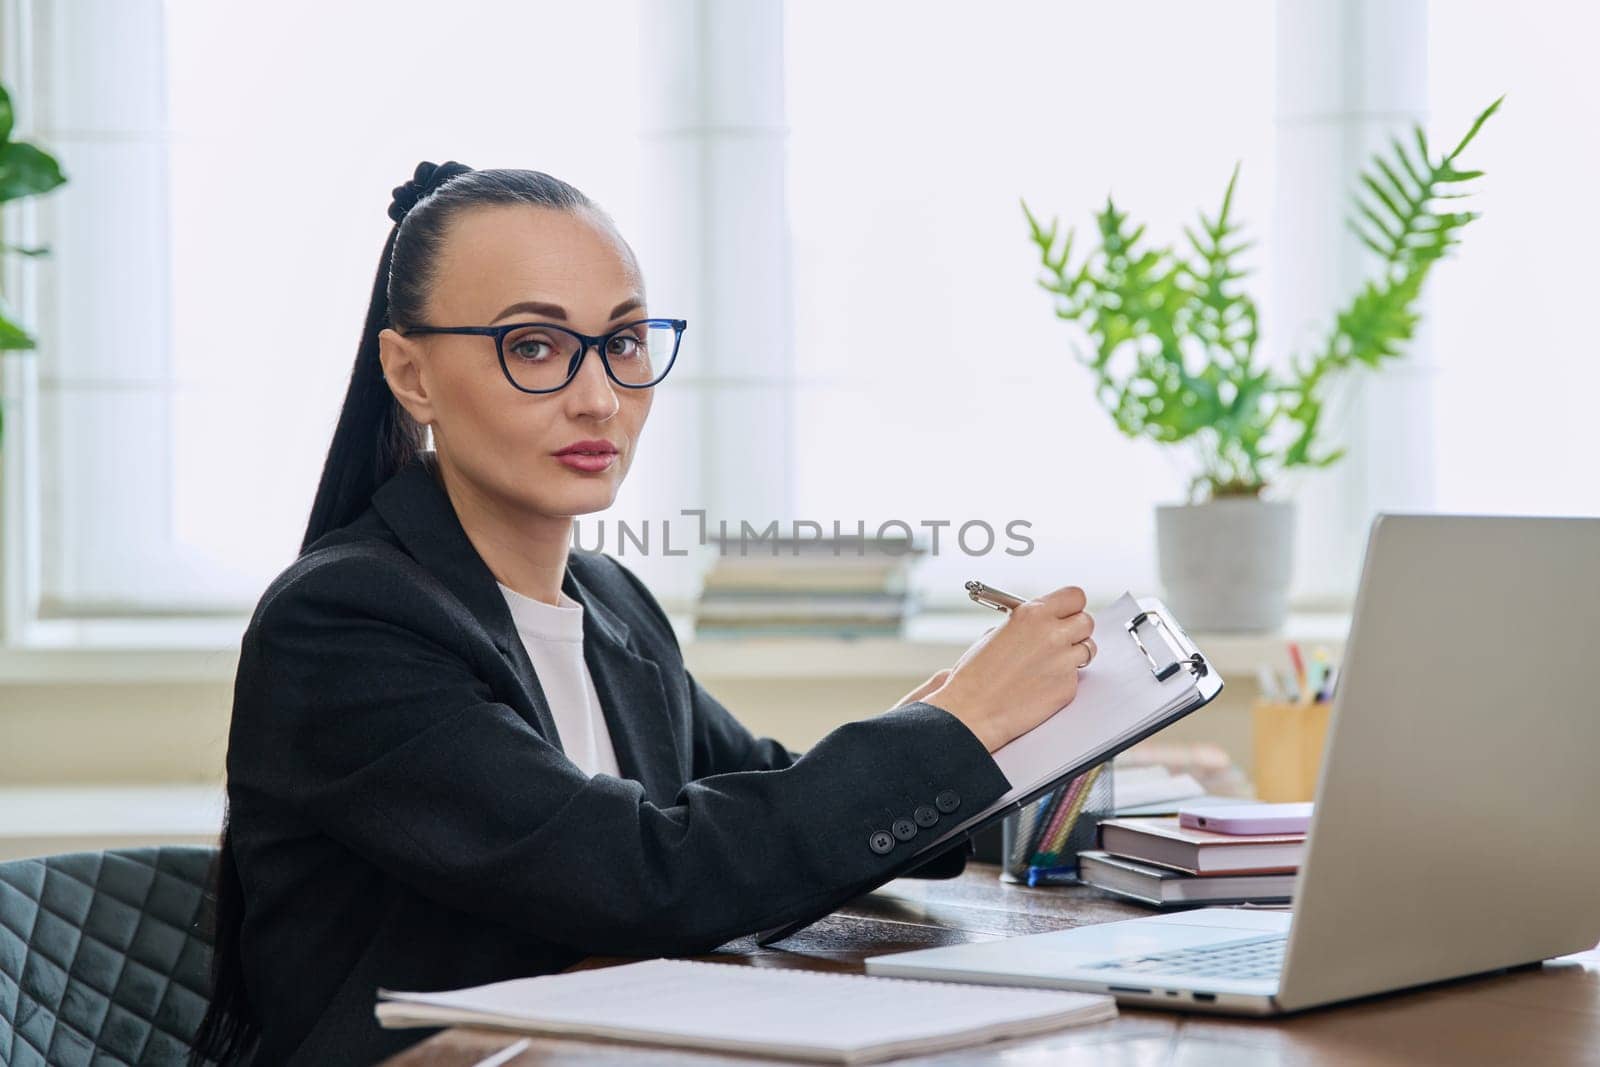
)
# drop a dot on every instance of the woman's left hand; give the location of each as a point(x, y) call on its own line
point(925, 688)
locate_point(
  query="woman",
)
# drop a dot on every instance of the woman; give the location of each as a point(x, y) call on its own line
point(462, 751)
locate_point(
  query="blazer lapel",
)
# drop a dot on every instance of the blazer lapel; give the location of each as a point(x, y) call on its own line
point(632, 696)
point(629, 686)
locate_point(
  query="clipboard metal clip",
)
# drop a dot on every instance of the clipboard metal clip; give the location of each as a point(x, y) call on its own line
point(1177, 657)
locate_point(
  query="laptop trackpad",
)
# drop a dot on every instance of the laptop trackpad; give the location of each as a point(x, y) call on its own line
point(1160, 933)
point(1247, 920)
point(1058, 950)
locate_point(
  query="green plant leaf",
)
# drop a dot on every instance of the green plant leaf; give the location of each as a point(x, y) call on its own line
point(1397, 185)
point(1382, 194)
point(1477, 124)
point(14, 337)
point(1391, 238)
point(1401, 220)
point(8, 115)
point(1361, 235)
point(26, 171)
point(1330, 458)
point(1412, 172)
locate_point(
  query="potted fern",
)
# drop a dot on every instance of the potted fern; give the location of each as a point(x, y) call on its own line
point(1171, 341)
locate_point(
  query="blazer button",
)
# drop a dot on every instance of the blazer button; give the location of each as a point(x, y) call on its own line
point(925, 815)
point(881, 841)
point(947, 801)
point(904, 828)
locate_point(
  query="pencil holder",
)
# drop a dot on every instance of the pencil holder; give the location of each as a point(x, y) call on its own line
point(1287, 742)
point(1051, 830)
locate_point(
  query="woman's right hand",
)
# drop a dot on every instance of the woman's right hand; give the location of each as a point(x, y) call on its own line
point(1023, 671)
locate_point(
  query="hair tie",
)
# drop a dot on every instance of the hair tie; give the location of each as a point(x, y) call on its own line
point(427, 178)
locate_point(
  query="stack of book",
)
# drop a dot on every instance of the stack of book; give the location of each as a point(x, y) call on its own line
point(834, 587)
point(1156, 861)
point(1153, 789)
point(1205, 762)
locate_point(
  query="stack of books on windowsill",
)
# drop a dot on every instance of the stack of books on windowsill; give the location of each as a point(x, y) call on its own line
point(1191, 763)
point(1158, 862)
point(1152, 789)
point(832, 587)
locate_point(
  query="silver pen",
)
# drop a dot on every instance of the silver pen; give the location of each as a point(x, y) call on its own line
point(990, 597)
point(1000, 600)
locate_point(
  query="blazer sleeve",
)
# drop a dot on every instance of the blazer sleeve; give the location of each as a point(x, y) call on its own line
point(722, 743)
point(357, 709)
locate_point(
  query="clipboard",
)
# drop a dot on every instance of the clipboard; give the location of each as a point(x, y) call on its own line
point(1161, 647)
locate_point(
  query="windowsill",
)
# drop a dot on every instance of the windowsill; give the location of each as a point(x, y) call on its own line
point(932, 642)
point(47, 820)
point(206, 651)
point(124, 650)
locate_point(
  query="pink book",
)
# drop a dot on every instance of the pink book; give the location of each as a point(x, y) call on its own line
point(1248, 818)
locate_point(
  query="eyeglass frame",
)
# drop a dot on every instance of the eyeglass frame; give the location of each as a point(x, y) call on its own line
point(585, 340)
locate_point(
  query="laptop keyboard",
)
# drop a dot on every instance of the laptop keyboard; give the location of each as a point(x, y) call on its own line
point(1252, 957)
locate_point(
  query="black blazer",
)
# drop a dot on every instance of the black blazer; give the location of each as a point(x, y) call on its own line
point(403, 816)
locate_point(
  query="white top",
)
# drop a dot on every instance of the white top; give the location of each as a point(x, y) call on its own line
point(553, 636)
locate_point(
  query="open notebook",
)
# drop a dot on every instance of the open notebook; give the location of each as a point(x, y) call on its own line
point(1146, 674)
point(808, 1015)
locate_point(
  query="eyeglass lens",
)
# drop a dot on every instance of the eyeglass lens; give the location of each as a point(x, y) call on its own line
point(538, 357)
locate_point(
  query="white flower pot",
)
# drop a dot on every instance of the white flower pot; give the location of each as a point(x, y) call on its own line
point(1226, 564)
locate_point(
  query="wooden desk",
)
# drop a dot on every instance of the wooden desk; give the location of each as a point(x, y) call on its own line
point(1545, 1015)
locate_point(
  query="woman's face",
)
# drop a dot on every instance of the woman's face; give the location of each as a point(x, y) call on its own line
point(517, 263)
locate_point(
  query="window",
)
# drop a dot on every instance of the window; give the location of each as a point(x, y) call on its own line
point(1514, 426)
point(215, 248)
point(884, 356)
point(934, 382)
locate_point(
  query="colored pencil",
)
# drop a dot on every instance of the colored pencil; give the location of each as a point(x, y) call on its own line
point(1299, 671)
point(1058, 841)
point(1047, 827)
point(1027, 829)
point(1058, 796)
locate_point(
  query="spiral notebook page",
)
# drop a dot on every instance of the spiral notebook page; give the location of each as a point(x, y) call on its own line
point(1118, 696)
point(763, 1010)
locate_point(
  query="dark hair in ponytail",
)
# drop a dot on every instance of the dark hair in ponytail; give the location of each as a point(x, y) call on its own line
point(374, 438)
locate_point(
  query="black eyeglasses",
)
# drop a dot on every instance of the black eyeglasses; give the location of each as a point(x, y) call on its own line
point(541, 357)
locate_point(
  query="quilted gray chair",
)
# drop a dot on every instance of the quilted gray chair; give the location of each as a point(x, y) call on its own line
point(102, 961)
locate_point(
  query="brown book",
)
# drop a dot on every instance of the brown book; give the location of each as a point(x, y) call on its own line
point(1161, 840)
point(1163, 887)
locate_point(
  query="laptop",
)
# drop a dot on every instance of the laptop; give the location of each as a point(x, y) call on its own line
point(1455, 826)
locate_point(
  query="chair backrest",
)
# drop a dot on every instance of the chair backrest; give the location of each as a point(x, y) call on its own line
point(101, 956)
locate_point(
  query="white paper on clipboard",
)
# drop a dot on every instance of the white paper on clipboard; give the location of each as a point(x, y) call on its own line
point(1119, 699)
point(1133, 687)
